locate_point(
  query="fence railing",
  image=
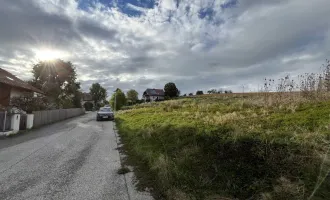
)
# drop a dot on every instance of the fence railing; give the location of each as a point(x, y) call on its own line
point(5, 121)
point(50, 116)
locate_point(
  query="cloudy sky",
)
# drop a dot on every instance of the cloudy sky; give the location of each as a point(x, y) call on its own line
point(139, 44)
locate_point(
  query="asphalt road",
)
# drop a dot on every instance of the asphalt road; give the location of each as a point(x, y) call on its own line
point(74, 159)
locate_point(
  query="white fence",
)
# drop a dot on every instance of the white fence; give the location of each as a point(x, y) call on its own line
point(50, 116)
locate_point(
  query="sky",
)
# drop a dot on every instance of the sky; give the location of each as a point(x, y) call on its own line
point(139, 44)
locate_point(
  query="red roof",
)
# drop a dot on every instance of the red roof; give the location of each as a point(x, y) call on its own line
point(9, 79)
point(154, 92)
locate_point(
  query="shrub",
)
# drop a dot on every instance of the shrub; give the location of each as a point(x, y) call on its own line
point(29, 103)
point(88, 106)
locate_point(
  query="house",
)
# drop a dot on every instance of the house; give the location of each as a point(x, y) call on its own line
point(86, 97)
point(87, 101)
point(154, 95)
point(11, 86)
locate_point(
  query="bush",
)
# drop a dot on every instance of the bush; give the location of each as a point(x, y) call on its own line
point(199, 92)
point(30, 104)
point(88, 106)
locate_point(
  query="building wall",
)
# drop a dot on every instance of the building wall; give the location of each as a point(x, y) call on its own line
point(153, 98)
point(4, 94)
point(17, 92)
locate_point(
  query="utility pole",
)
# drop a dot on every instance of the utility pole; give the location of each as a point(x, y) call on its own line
point(115, 108)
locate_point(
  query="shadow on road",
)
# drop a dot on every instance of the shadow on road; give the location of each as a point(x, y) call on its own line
point(44, 131)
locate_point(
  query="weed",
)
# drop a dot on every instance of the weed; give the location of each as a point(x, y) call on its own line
point(123, 170)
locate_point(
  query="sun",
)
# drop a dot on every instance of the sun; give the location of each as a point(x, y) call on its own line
point(49, 54)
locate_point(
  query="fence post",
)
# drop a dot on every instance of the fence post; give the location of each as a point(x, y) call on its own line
point(15, 120)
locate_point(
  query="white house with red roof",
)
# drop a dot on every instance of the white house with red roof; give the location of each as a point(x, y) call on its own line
point(154, 95)
point(11, 86)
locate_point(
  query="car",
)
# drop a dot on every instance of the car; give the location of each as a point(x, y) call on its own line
point(105, 113)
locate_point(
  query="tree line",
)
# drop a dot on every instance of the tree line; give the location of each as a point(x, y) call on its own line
point(58, 81)
point(119, 99)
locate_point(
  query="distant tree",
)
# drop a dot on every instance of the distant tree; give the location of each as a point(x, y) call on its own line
point(88, 106)
point(132, 95)
point(184, 95)
point(191, 94)
point(220, 91)
point(76, 99)
point(57, 79)
point(212, 91)
point(199, 92)
point(327, 76)
point(98, 93)
point(171, 90)
point(118, 100)
point(140, 101)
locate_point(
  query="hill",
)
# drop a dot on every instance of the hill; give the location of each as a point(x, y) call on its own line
point(231, 146)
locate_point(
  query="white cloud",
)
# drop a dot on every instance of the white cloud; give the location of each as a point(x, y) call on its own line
point(167, 4)
point(231, 46)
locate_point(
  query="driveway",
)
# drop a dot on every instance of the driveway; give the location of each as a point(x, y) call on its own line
point(74, 159)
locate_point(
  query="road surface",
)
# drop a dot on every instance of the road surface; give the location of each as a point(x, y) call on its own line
point(74, 159)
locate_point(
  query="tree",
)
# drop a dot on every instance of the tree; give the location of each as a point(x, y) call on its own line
point(171, 90)
point(98, 93)
point(132, 95)
point(118, 100)
point(220, 91)
point(191, 94)
point(212, 91)
point(327, 75)
point(57, 79)
point(88, 106)
point(185, 95)
point(199, 92)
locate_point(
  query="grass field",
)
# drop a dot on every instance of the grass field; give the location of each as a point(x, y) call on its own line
point(231, 146)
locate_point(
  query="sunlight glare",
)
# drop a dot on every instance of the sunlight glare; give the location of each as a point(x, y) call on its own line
point(48, 54)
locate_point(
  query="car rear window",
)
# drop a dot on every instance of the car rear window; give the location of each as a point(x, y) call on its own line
point(105, 109)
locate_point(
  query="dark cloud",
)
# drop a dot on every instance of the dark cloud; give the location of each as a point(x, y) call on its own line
point(25, 24)
point(93, 29)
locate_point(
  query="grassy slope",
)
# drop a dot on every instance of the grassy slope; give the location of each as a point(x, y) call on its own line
point(238, 148)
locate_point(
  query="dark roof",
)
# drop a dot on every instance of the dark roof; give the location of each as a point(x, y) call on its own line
point(154, 92)
point(87, 97)
point(9, 79)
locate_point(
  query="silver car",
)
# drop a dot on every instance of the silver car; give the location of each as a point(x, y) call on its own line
point(105, 113)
